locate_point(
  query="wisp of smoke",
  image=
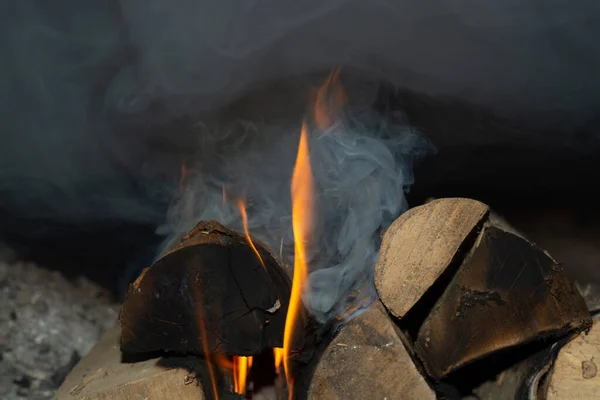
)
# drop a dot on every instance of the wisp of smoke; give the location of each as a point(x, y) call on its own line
point(67, 65)
point(362, 166)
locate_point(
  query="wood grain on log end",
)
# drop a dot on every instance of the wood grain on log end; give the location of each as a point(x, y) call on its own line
point(101, 375)
point(210, 293)
point(507, 292)
point(367, 360)
point(419, 246)
point(576, 371)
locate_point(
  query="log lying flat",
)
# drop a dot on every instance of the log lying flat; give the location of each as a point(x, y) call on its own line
point(367, 360)
point(211, 293)
point(101, 375)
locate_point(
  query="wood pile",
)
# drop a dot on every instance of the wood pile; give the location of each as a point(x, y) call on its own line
point(468, 308)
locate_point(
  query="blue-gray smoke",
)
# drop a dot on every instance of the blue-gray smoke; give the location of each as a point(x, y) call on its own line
point(85, 86)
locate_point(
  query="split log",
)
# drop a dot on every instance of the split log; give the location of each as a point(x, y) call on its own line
point(419, 246)
point(367, 360)
point(507, 292)
point(576, 375)
point(477, 285)
point(101, 375)
point(211, 293)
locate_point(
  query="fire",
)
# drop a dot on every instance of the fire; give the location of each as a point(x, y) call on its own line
point(207, 356)
point(242, 207)
point(329, 100)
point(302, 213)
point(241, 366)
point(278, 354)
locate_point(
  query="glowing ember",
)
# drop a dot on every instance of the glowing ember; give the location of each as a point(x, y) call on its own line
point(329, 101)
point(302, 214)
point(241, 366)
point(242, 207)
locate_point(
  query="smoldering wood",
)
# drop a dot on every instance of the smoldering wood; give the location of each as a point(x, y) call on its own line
point(367, 360)
point(209, 293)
point(419, 246)
point(507, 292)
point(102, 375)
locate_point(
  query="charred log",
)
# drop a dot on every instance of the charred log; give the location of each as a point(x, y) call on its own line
point(507, 292)
point(465, 286)
point(211, 294)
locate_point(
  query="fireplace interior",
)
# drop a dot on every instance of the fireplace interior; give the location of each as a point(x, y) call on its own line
point(308, 224)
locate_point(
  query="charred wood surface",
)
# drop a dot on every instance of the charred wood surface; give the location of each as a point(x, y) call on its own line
point(211, 293)
point(466, 288)
point(507, 292)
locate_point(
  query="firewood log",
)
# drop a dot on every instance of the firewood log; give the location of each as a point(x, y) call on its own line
point(507, 292)
point(211, 293)
point(567, 369)
point(575, 374)
point(491, 288)
point(101, 375)
point(419, 246)
point(367, 360)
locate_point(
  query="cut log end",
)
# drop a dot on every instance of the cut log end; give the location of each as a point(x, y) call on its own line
point(367, 360)
point(576, 371)
point(465, 285)
point(101, 375)
point(419, 246)
point(507, 292)
point(211, 293)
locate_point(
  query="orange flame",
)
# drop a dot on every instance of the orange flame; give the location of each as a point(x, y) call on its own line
point(241, 366)
point(224, 195)
point(202, 328)
point(278, 354)
point(184, 175)
point(329, 100)
point(302, 213)
point(242, 207)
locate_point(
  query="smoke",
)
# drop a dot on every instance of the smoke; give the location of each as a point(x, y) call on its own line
point(59, 157)
point(362, 167)
point(72, 72)
point(89, 92)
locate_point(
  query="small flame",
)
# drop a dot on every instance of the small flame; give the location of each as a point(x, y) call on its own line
point(224, 195)
point(242, 207)
point(241, 366)
point(278, 354)
point(302, 214)
point(329, 100)
point(202, 328)
point(184, 176)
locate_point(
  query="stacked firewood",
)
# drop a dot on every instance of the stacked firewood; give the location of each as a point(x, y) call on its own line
point(467, 307)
